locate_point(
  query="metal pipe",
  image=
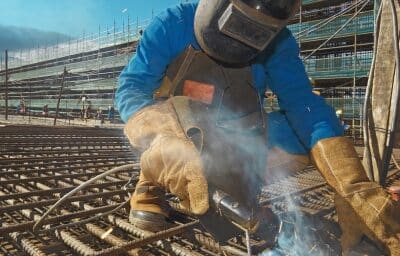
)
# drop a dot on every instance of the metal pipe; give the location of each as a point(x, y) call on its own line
point(367, 103)
point(60, 94)
point(6, 85)
point(81, 187)
point(395, 95)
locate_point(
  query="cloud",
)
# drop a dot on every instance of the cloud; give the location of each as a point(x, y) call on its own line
point(15, 38)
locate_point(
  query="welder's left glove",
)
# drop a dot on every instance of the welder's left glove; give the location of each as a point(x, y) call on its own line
point(376, 215)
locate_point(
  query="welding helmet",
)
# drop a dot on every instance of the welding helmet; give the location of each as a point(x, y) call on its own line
point(235, 31)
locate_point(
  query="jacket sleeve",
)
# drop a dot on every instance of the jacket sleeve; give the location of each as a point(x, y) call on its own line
point(145, 71)
point(309, 115)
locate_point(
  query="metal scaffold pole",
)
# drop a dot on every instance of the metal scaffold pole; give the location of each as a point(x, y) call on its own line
point(129, 32)
point(382, 94)
point(377, 4)
point(355, 22)
point(6, 85)
point(60, 94)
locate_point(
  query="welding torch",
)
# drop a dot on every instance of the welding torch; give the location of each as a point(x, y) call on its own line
point(228, 218)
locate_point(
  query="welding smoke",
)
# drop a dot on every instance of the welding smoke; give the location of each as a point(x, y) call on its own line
point(234, 156)
point(301, 234)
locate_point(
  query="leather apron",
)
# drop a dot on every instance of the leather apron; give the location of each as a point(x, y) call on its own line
point(221, 112)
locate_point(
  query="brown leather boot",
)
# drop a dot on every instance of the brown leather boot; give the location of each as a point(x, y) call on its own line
point(148, 221)
point(149, 208)
point(372, 210)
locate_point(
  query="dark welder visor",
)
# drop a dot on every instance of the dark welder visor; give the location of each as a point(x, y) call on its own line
point(256, 22)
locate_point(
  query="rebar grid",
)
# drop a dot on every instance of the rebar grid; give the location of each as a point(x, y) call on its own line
point(38, 165)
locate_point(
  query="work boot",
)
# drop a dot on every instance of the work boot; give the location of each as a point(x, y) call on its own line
point(370, 209)
point(148, 221)
point(281, 164)
point(149, 209)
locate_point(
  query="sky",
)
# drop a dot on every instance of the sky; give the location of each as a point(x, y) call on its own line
point(68, 18)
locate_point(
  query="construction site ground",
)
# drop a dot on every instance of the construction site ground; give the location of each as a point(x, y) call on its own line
point(49, 121)
point(39, 164)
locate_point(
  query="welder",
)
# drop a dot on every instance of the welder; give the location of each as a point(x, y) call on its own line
point(191, 98)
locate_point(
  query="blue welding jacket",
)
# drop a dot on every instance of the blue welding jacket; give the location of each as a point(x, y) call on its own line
point(304, 116)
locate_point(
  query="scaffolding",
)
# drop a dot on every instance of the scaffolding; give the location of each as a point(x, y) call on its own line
point(362, 24)
point(336, 41)
point(335, 37)
point(331, 67)
point(112, 36)
point(93, 63)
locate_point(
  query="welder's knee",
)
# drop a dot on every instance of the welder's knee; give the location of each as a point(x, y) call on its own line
point(281, 164)
point(286, 154)
point(281, 135)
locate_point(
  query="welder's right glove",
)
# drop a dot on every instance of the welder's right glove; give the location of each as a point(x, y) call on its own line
point(169, 158)
point(364, 207)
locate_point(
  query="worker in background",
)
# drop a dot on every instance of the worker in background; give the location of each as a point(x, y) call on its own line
point(192, 53)
point(22, 106)
point(99, 113)
point(340, 116)
point(111, 114)
point(45, 111)
point(87, 112)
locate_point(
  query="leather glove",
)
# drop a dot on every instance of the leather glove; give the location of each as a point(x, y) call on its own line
point(169, 159)
point(364, 207)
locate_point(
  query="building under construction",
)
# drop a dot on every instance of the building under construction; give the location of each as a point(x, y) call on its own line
point(40, 164)
point(92, 64)
point(336, 39)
